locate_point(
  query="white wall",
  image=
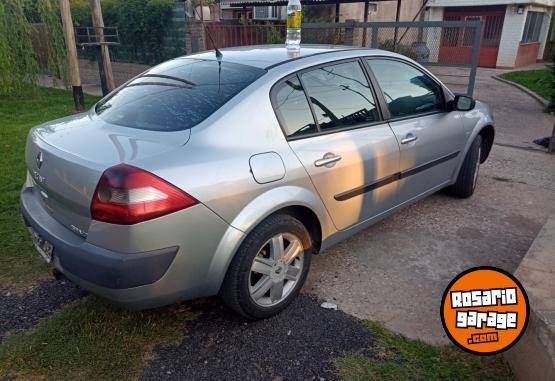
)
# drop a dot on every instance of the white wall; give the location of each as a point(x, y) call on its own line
point(513, 25)
point(513, 28)
point(386, 11)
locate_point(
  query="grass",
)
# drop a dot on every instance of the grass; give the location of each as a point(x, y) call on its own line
point(396, 357)
point(87, 339)
point(91, 340)
point(20, 265)
point(539, 81)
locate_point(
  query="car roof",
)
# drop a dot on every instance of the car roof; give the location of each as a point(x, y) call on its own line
point(268, 56)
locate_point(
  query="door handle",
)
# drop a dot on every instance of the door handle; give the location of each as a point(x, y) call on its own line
point(409, 138)
point(328, 160)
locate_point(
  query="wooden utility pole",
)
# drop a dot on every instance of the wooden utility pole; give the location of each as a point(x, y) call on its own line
point(104, 63)
point(71, 49)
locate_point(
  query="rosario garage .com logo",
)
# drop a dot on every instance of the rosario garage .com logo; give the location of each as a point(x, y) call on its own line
point(485, 310)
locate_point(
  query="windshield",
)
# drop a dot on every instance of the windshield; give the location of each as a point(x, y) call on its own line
point(177, 94)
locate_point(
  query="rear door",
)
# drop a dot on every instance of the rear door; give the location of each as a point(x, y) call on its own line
point(335, 128)
point(430, 137)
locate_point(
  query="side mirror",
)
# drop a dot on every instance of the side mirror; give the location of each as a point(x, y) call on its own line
point(462, 103)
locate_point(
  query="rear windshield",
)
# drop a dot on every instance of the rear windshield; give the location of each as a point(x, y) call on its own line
point(177, 94)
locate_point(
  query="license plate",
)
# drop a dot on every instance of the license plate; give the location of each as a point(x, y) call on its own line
point(44, 247)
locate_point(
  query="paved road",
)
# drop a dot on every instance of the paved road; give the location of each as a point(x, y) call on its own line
point(395, 272)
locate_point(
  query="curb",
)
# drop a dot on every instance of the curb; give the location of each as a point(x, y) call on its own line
point(533, 357)
point(537, 97)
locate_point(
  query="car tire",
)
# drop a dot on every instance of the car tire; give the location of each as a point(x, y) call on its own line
point(243, 288)
point(468, 175)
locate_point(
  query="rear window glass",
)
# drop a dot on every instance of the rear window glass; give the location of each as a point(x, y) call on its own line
point(177, 94)
point(292, 106)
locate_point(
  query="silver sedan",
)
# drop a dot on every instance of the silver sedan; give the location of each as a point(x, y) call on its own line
point(223, 175)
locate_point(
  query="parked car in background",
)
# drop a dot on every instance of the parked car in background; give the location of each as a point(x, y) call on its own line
point(201, 177)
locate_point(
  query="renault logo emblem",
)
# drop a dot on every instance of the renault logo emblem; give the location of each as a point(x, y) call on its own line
point(39, 159)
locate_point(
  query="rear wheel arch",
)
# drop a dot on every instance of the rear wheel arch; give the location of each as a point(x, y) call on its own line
point(237, 233)
point(310, 221)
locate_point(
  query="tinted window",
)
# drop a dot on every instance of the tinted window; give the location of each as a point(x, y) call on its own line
point(340, 95)
point(177, 94)
point(293, 109)
point(407, 90)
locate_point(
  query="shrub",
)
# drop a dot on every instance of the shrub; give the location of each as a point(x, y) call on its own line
point(142, 26)
point(399, 48)
point(275, 36)
point(18, 61)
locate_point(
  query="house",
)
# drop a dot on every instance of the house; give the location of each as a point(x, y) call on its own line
point(270, 13)
point(379, 10)
point(230, 11)
point(515, 33)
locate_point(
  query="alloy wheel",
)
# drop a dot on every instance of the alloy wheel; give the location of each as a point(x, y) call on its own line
point(276, 269)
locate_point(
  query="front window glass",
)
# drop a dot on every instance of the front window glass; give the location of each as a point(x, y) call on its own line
point(177, 94)
point(340, 96)
point(407, 90)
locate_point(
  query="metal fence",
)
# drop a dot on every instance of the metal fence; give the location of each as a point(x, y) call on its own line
point(450, 49)
point(227, 35)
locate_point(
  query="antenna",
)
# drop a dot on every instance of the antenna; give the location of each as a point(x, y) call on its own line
point(219, 54)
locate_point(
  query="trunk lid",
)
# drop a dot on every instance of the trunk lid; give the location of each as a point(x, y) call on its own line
point(66, 158)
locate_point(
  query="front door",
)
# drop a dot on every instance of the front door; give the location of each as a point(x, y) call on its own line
point(338, 134)
point(430, 138)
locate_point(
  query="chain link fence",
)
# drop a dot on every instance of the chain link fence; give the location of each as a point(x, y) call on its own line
point(449, 49)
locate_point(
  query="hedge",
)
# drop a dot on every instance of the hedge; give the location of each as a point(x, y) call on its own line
point(142, 26)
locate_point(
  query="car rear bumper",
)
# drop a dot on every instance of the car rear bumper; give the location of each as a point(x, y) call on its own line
point(192, 265)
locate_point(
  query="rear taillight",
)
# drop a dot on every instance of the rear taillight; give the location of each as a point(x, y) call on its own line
point(126, 195)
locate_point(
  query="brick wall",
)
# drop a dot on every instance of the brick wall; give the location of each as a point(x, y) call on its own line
point(527, 54)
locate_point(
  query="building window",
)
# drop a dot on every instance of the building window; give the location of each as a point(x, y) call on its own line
point(533, 27)
point(261, 13)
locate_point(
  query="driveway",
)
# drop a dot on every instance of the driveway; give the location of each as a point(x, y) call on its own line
point(395, 272)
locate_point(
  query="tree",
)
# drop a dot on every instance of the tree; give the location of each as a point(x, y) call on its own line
point(18, 61)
